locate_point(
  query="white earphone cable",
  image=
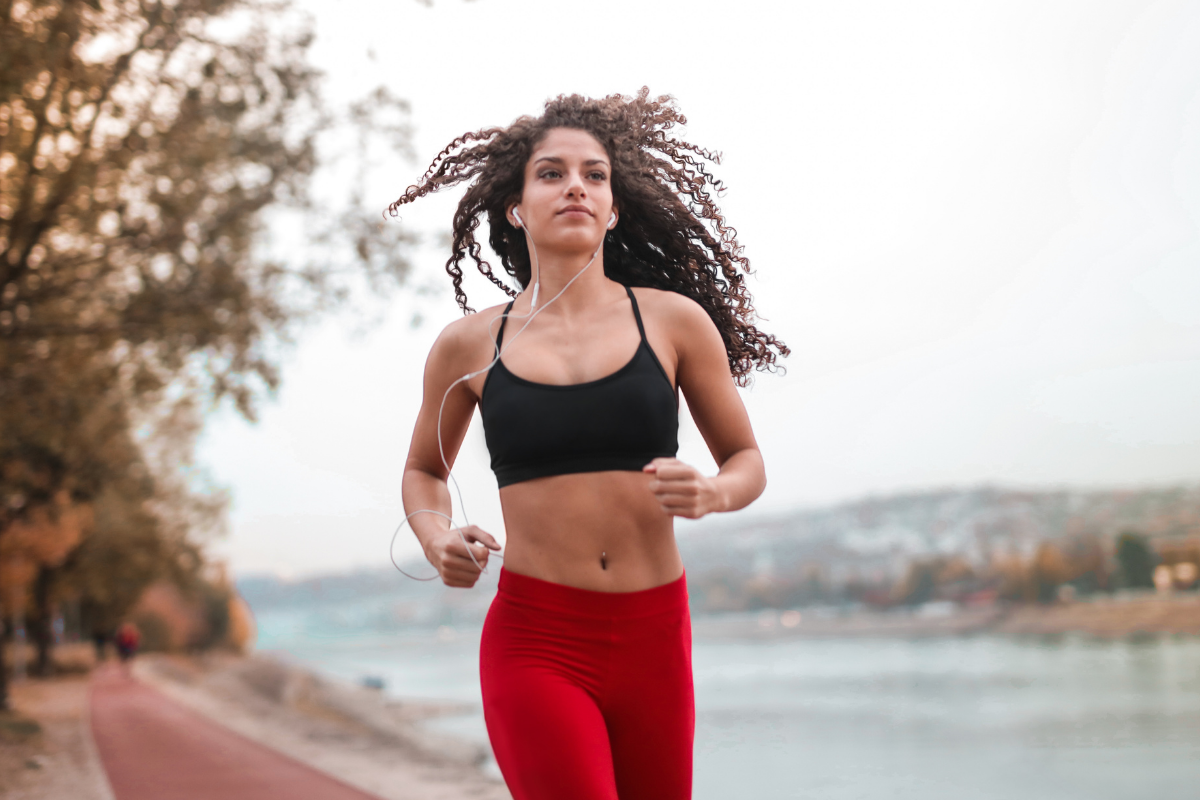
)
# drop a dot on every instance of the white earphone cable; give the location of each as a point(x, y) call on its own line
point(533, 312)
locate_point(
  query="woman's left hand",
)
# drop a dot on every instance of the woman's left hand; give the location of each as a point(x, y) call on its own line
point(681, 490)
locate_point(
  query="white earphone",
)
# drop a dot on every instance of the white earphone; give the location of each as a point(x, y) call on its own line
point(537, 283)
point(533, 312)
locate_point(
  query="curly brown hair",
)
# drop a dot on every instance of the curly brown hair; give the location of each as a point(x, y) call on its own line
point(671, 235)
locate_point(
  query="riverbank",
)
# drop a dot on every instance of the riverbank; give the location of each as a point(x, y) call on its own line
point(1108, 616)
point(46, 752)
point(359, 736)
point(1102, 616)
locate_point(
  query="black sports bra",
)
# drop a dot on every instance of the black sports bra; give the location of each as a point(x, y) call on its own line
point(619, 422)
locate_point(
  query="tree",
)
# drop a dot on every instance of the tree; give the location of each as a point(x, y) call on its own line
point(1050, 570)
point(1013, 577)
point(1135, 561)
point(64, 433)
point(142, 144)
point(919, 582)
point(144, 530)
point(939, 577)
point(1087, 563)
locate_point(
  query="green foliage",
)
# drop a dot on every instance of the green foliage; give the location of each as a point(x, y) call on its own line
point(1135, 561)
point(141, 145)
point(156, 634)
point(214, 602)
point(124, 554)
point(920, 583)
point(65, 427)
point(16, 729)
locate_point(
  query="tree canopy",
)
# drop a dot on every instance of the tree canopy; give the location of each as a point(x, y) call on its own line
point(143, 144)
point(1136, 561)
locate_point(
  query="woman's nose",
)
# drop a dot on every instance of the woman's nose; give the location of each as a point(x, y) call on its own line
point(576, 187)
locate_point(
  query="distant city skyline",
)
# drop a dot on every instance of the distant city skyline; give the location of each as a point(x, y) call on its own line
point(976, 228)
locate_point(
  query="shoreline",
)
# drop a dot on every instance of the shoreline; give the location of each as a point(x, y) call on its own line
point(360, 736)
point(385, 746)
point(1101, 617)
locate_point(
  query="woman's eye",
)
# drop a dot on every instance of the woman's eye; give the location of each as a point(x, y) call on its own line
point(598, 176)
point(550, 173)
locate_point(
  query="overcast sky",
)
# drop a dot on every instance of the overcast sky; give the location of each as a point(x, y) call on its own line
point(975, 225)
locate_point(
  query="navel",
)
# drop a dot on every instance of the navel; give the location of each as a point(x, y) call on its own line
point(604, 560)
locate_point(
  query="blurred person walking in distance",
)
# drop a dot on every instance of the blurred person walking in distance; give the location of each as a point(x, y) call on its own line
point(585, 660)
point(127, 640)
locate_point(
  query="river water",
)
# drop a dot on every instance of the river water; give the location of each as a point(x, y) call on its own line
point(983, 717)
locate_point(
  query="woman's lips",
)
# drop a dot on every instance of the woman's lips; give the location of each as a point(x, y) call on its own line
point(576, 211)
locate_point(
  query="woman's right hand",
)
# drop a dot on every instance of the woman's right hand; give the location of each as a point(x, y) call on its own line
point(448, 553)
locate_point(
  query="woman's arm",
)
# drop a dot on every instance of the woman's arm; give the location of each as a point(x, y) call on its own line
point(424, 485)
point(702, 374)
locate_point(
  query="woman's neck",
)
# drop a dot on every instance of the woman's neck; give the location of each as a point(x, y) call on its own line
point(587, 281)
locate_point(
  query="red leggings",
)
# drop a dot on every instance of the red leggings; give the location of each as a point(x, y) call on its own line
point(588, 695)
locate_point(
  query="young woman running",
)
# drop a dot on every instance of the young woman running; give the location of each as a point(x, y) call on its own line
point(632, 291)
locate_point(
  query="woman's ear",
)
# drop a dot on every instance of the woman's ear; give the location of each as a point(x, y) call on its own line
point(612, 218)
point(514, 217)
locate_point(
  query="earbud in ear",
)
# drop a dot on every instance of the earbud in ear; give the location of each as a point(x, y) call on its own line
point(517, 217)
point(612, 220)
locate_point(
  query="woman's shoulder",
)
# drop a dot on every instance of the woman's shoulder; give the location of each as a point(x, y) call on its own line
point(671, 308)
point(466, 336)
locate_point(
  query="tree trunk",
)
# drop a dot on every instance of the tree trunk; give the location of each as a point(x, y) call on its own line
point(5, 631)
point(3, 665)
point(41, 623)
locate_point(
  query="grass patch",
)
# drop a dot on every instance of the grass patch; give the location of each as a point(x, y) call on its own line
point(17, 729)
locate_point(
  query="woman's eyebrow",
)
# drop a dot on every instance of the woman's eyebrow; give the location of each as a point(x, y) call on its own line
point(557, 160)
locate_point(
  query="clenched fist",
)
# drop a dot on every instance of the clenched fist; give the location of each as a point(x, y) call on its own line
point(450, 555)
point(681, 490)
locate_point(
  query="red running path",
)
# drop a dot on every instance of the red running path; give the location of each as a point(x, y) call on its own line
point(154, 749)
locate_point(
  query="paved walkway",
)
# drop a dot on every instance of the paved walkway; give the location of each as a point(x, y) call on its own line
point(154, 749)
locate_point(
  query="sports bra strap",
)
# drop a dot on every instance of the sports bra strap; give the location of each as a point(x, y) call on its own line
point(637, 314)
point(503, 322)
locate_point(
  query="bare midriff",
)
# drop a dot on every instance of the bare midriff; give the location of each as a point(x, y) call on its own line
point(602, 531)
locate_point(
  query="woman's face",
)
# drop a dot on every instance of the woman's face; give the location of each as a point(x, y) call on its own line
point(567, 200)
